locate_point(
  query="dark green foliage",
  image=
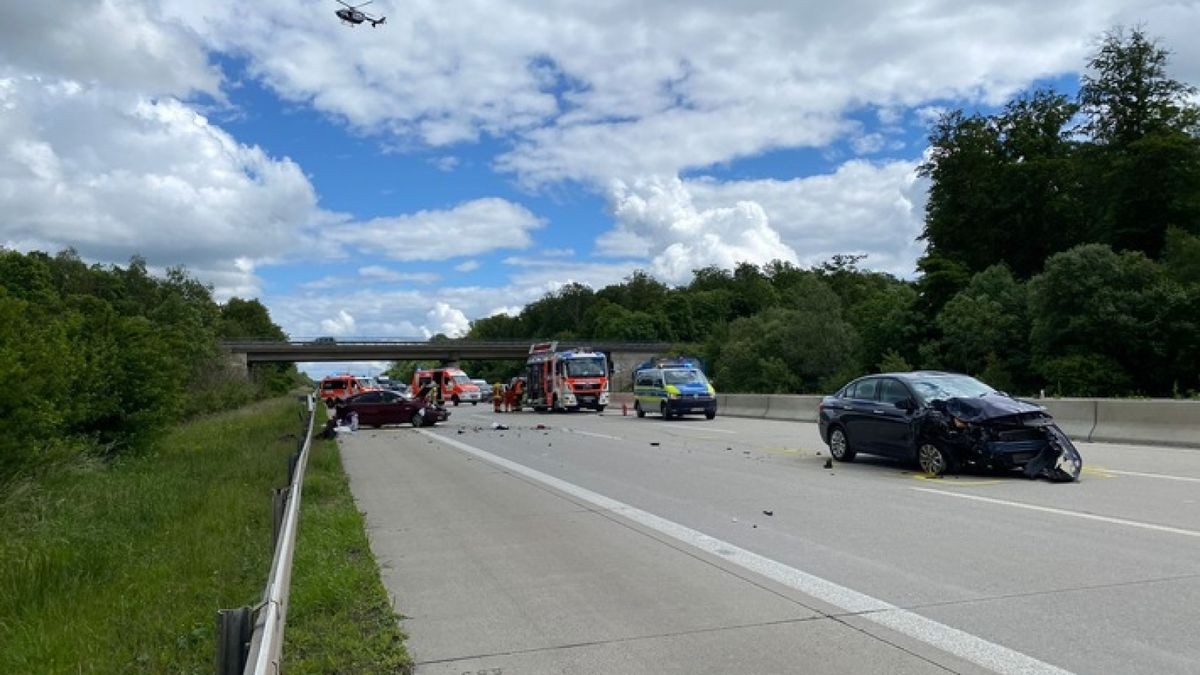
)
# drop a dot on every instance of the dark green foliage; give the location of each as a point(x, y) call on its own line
point(100, 360)
point(1100, 323)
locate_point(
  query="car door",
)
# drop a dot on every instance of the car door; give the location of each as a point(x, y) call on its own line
point(367, 407)
point(856, 417)
point(390, 409)
point(891, 426)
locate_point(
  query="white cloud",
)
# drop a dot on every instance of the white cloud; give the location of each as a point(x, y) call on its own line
point(446, 163)
point(624, 89)
point(470, 228)
point(120, 44)
point(467, 266)
point(558, 253)
point(342, 324)
point(876, 208)
point(114, 174)
point(446, 320)
point(686, 237)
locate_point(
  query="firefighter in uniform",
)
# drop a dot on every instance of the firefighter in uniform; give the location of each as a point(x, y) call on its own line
point(497, 395)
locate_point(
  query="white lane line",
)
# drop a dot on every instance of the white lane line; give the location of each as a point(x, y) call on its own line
point(1065, 512)
point(977, 650)
point(592, 434)
point(1149, 475)
point(705, 429)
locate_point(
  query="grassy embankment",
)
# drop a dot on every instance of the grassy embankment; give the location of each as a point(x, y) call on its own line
point(120, 568)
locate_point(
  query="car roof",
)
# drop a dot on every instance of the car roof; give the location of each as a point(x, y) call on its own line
point(913, 375)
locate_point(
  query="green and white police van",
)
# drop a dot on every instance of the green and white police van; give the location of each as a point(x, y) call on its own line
point(673, 387)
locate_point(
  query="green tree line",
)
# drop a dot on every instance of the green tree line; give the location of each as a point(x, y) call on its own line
point(1062, 253)
point(98, 360)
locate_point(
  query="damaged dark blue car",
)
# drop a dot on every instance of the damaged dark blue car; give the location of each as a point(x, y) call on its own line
point(945, 422)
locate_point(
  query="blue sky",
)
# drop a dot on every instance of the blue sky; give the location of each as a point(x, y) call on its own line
point(464, 159)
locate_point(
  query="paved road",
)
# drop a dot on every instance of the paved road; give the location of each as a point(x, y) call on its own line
point(611, 544)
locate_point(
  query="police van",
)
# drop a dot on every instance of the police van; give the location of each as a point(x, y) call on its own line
point(673, 387)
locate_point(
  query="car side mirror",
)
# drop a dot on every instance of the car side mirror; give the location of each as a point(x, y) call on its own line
point(906, 404)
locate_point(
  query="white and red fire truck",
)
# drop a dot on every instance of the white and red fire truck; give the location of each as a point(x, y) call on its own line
point(565, 380)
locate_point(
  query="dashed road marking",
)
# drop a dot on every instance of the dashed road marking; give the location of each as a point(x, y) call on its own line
point(960, 643)
point(1064, 512)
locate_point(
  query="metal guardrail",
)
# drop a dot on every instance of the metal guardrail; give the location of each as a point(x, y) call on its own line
point(256, 648)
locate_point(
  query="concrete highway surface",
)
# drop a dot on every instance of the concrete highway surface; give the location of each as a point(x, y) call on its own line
point(609, 544)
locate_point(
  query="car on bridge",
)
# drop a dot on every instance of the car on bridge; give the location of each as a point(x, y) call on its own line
point(377, 408)
point(945, 422)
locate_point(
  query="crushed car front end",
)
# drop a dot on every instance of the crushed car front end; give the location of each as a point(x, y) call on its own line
point(998, 432)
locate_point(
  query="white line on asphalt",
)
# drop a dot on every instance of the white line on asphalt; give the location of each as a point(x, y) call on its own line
point(970, 647)
point(703, 429)
point(1064, 512)
point(1149, 475)
point(593, 434)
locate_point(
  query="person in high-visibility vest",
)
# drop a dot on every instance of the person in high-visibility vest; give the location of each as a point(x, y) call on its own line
point(497, 396)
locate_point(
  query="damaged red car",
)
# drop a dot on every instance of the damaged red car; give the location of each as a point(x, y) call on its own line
point(377, 408)
point(945, 422)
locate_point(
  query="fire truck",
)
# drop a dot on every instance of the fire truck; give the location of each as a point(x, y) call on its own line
point(565, 380)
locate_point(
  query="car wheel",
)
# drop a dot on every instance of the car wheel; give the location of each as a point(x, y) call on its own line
point(932, 460)
point(474, 402)
point(418, 420)
point(664, 411)
point(599, 408)
point(839, 445)
point(710, 414)
point(637, 408)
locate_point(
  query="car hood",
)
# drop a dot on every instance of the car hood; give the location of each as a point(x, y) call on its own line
point(989, 407)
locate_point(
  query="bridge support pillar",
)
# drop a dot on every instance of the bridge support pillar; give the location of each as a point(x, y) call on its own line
point(237, 365)
point(623, 364)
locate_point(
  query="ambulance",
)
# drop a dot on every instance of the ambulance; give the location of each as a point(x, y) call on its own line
point(455, 385)
point(567, 380)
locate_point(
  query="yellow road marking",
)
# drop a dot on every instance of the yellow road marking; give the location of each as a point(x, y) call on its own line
point(952, 482)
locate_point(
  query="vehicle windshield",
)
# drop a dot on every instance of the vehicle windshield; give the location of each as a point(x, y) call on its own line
point(365, 382)
point(462, 379)
point(684, 377)
point(587, 367)
point(333, 384)
point(954, 386)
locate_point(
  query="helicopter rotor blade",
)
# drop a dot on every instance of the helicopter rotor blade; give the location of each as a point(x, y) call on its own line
point(363, 4)
point(344, 4)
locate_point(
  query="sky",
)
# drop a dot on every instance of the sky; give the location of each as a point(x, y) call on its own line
point(466, 157)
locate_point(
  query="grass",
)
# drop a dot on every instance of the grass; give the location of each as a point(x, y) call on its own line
point(121, 568)
point(339, 616)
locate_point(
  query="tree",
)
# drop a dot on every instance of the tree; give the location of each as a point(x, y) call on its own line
point(985, 327)
point(1144, 166)
point(1100, 323)
point(810, 345)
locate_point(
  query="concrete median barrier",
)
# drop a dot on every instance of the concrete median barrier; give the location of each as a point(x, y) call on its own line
point(1153, 422)
point(793, 408)
point(743, 405)
point(1075, 416)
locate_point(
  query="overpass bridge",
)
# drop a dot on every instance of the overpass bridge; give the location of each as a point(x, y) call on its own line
point(243, 353)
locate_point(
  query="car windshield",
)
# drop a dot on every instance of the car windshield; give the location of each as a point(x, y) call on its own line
point(953, 386)
point(587, 367)
point(684, 377)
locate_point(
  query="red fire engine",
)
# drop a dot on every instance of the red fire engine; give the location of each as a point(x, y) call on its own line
point(566, 380)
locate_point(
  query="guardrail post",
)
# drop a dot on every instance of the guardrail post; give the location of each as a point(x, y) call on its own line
point(234, 628)
point(279, 499)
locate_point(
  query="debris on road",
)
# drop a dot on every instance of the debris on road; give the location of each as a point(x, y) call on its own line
point(768, 513)
point(496, 426)
point(829, 463)
point(654, 443)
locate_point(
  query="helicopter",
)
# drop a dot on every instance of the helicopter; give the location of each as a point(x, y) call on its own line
point(350, 14)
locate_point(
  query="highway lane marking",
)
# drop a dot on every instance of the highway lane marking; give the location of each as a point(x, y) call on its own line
point(592, 434)
point(1140, 474)
point(962, 644)
point(955, 483)
point(1064, 512)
